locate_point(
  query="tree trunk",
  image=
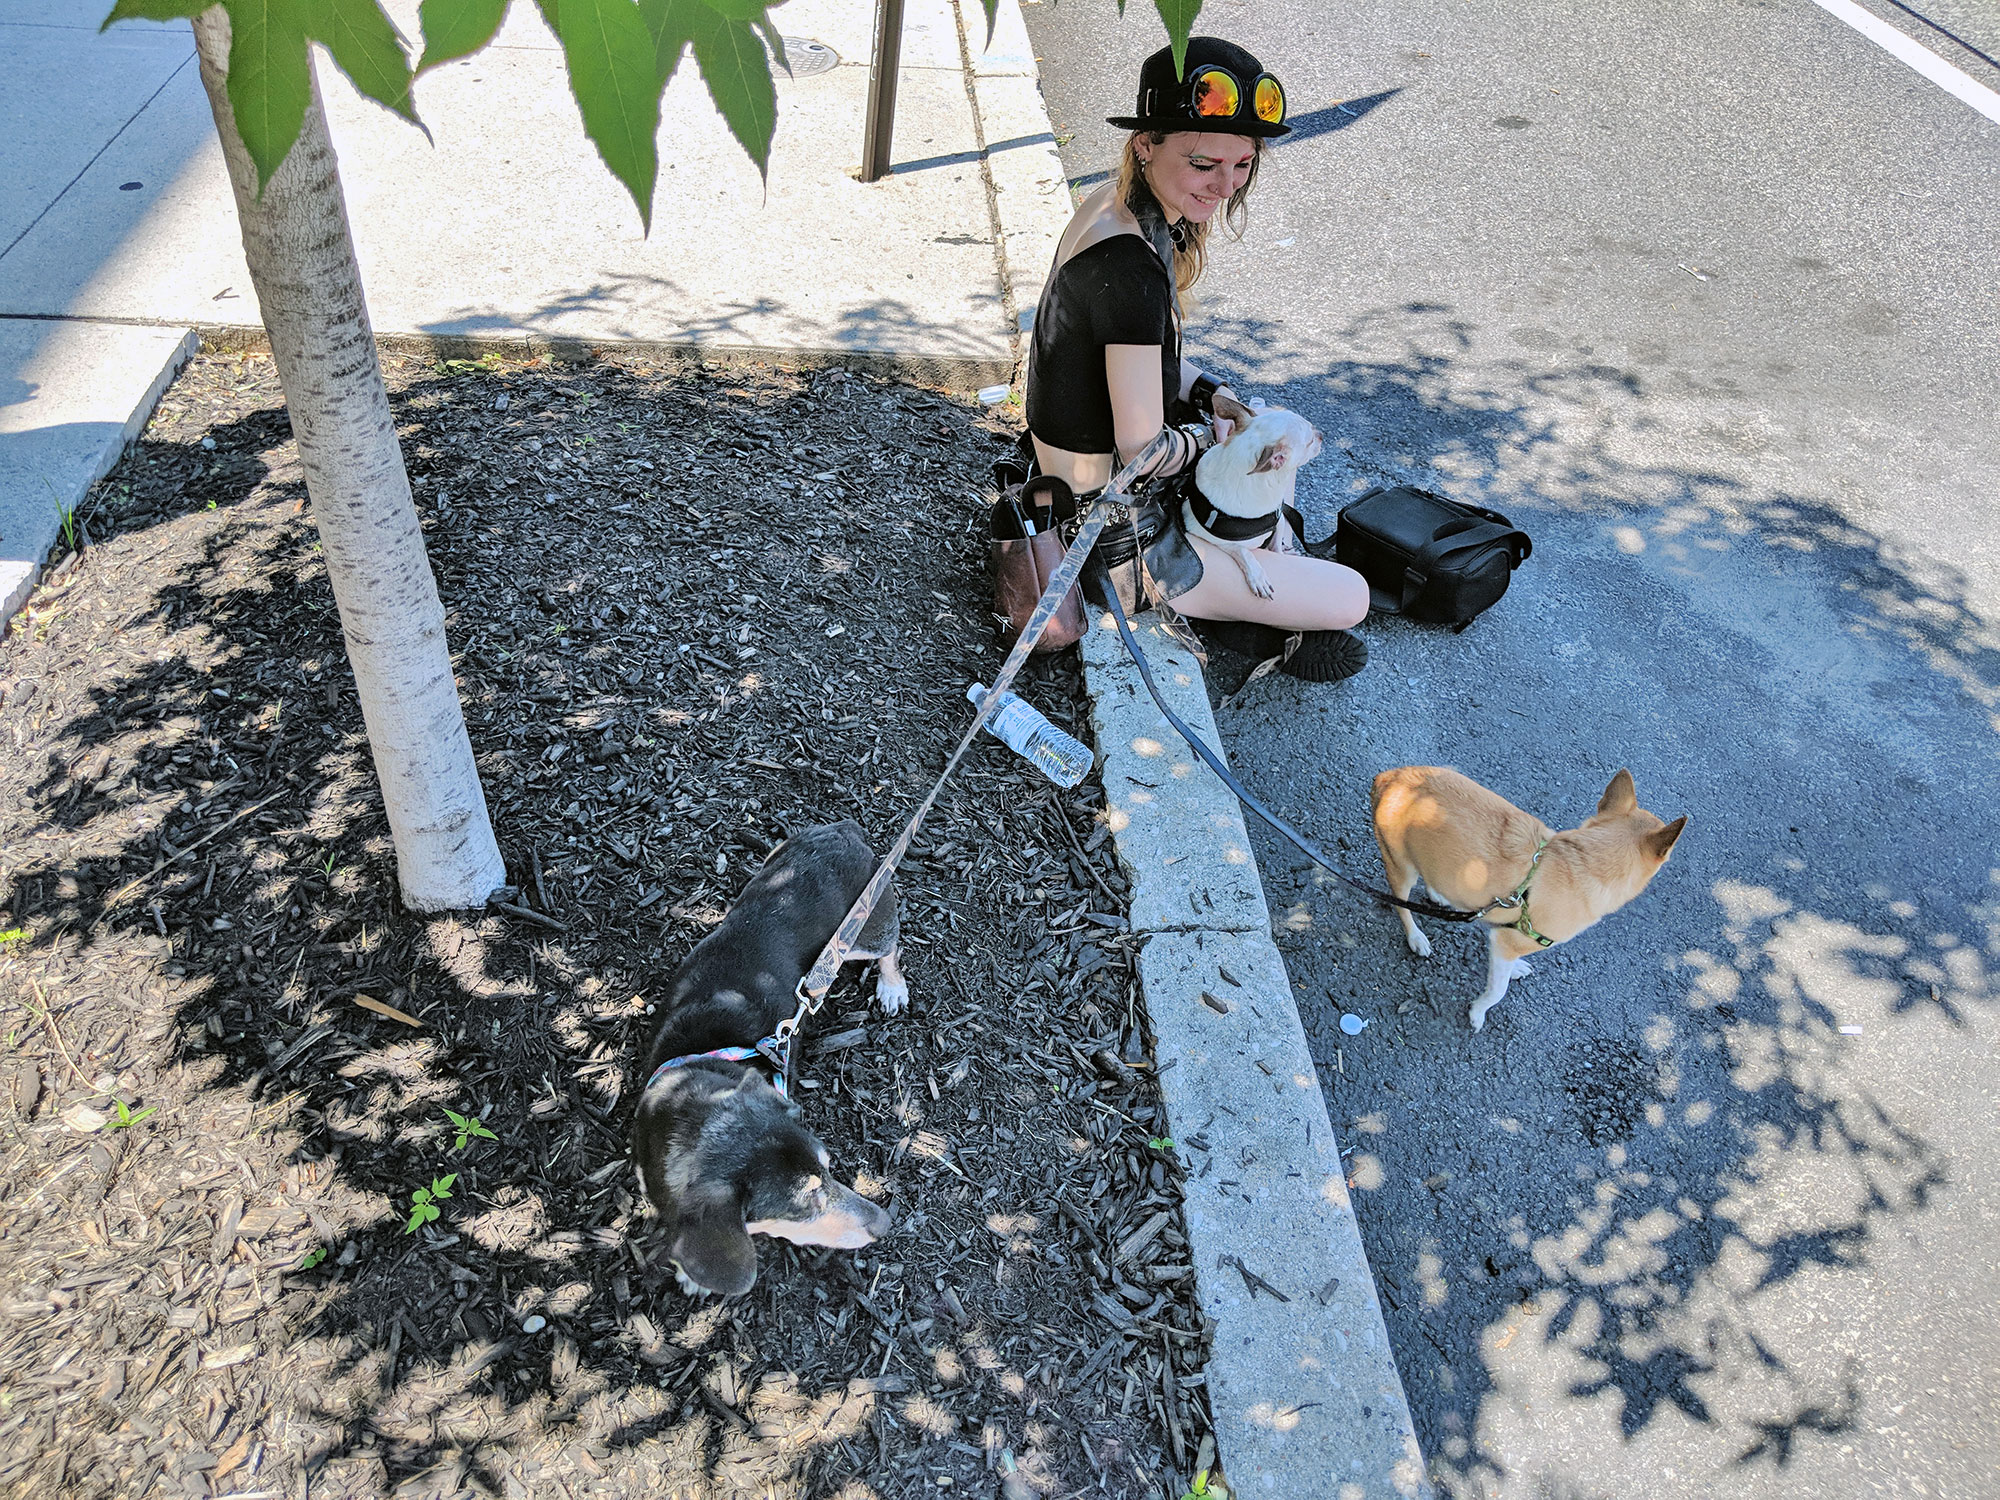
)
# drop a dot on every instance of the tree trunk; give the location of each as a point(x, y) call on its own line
point(301, 259)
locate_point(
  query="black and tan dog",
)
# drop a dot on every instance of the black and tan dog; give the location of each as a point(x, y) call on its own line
point(721, 1152)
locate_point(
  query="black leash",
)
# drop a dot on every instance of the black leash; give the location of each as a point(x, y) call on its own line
point(1304, 845)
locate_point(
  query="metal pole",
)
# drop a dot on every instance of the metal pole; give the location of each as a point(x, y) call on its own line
point(882, 90)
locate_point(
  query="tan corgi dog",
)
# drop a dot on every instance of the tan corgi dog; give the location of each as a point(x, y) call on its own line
point(1475, 850)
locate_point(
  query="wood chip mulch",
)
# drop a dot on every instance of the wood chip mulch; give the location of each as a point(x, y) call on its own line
point(693, 608)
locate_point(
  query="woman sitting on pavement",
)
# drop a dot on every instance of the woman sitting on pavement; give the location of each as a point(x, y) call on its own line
point(1105, 372)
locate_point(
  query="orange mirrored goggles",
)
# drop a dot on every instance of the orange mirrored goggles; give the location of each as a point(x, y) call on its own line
point(1215, 93)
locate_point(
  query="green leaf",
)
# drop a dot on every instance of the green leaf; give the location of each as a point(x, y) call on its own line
point(366, 47)
point(774, 42)
point(737, 71)
point(457, 28)
point(154, 10)
point(13, 934)
point(992, 9)
point(672, 25)
point(615, 76)
point(441, 1186)
point(1178, 17)
point(269, 83)
point(739, 10)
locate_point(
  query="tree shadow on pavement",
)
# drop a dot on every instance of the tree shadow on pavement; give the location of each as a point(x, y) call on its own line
point(1637, 1191)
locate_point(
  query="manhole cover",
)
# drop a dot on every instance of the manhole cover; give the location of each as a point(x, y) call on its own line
point(808, 56)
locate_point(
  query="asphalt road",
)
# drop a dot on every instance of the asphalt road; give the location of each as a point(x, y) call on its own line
point(1704, 295)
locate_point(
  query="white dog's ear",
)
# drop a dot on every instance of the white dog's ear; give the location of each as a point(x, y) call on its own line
point(1272, 458)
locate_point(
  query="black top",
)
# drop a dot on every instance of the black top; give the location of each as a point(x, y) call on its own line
point(1117, 291)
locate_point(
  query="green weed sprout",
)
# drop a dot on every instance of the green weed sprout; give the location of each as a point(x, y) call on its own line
point(122, 1116)
point(469, 1128)
point(1161, 1143)
point(424, 1202)
point(66, 515)
point(313, 1257)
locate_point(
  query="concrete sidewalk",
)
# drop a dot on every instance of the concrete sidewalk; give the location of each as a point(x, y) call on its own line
point(505, 226)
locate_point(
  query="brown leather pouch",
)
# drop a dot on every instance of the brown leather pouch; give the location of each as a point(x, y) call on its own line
point(1023, 564)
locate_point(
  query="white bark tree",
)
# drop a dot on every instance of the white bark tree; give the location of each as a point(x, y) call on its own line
point(301, 259)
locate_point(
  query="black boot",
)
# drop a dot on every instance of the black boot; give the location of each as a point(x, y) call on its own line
point(1258, 642)
point(1325, 656)
point(1309, 655)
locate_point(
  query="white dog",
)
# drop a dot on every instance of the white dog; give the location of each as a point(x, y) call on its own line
point(1242, 486)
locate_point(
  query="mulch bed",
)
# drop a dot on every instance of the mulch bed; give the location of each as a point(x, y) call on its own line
point(694, 608)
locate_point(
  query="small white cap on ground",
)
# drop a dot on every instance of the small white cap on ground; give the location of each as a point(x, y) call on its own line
point(993, 395)
point(1352, 1024)
point(534, 1323)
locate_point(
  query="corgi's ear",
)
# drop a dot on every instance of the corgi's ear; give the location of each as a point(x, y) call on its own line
point(1660, 843)
point(1619, 797)
point(1271, 459)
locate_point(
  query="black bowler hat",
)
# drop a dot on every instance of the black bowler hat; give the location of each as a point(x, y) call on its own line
point(1224, 89)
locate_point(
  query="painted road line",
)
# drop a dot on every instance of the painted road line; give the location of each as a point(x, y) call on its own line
point(1922, 59)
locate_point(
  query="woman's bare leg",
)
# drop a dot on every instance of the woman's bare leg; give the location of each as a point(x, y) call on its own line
point(1308, 592)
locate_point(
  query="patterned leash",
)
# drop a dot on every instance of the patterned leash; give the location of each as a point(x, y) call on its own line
point(812, 989)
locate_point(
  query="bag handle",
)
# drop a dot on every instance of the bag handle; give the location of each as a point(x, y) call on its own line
point(1467, 539)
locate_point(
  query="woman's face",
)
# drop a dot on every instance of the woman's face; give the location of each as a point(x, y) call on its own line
point(1194, 173)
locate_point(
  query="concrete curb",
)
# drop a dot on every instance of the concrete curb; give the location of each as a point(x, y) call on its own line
point(88, 389)
point(1304, 1391)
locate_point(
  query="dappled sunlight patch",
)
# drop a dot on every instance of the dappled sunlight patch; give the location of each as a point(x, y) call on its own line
point(1276, 1418)
point(1430, 1279)
point(928, 1417)
point(516, 1220)
point(703, 1326)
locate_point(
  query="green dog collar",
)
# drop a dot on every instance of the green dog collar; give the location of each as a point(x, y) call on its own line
point(1519, 898)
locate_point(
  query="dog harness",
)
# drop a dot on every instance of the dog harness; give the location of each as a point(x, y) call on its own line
point(1223, 526)
point(766, 1051)
point(1519, 898)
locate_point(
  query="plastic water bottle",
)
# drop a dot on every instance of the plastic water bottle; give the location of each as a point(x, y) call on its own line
point(1062, 758)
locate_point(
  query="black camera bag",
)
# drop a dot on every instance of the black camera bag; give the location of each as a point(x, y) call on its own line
point(1428, 557)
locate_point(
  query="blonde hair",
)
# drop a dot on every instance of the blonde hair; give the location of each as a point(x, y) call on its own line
point(1191, 258)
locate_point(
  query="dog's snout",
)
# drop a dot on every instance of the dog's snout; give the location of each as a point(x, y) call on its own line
point(878, 1220)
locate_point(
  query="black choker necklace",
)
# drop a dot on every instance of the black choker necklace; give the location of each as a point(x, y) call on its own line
point(1180, 234)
